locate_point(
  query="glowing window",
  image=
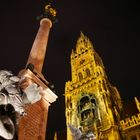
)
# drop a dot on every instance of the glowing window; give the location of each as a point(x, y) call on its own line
point(88, 72)
point(80, 76)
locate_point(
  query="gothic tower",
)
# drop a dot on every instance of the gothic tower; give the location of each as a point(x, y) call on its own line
point(92, 103)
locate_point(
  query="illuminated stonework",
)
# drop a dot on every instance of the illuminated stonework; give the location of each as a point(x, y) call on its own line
point(130, 122)
point(130, 126)
point(91, 102)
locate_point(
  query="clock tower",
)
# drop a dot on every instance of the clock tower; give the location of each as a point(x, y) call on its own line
point(92, 103)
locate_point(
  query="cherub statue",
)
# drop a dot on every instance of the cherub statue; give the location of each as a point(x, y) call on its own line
point(15, 94)
point(76, 132)
point(78, 135)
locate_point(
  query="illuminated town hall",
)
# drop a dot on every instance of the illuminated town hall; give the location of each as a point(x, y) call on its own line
point(92, 104)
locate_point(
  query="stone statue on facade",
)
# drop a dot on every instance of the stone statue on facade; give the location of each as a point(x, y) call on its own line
point(78, 135)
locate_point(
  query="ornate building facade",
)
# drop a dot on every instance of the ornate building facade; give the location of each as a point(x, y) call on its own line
point(92, 104)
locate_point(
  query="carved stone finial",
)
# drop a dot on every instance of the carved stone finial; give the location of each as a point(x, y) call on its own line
point(137, 103)
point(81, 34)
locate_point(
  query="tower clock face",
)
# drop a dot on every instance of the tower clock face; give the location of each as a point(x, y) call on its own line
point(87, 110)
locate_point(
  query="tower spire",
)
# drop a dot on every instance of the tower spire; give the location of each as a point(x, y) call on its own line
point(81, 34)
point(137, 103)
point(83, 44)
point(55, 136)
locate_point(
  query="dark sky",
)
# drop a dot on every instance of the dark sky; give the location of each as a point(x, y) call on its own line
point(113, 27)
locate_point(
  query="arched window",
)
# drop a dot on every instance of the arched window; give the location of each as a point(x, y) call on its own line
point(80, 76)
point(87, 109)
point(104, 86)
point(93, 101)
point(84, 100)
point(67, 103)
point(88, 72)
point(97, 73)
point(70, 103)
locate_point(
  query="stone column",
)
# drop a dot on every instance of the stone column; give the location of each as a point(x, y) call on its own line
point(38, 51)
point(33, 125)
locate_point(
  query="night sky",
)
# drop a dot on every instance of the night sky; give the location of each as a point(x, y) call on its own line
point(112, 26)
